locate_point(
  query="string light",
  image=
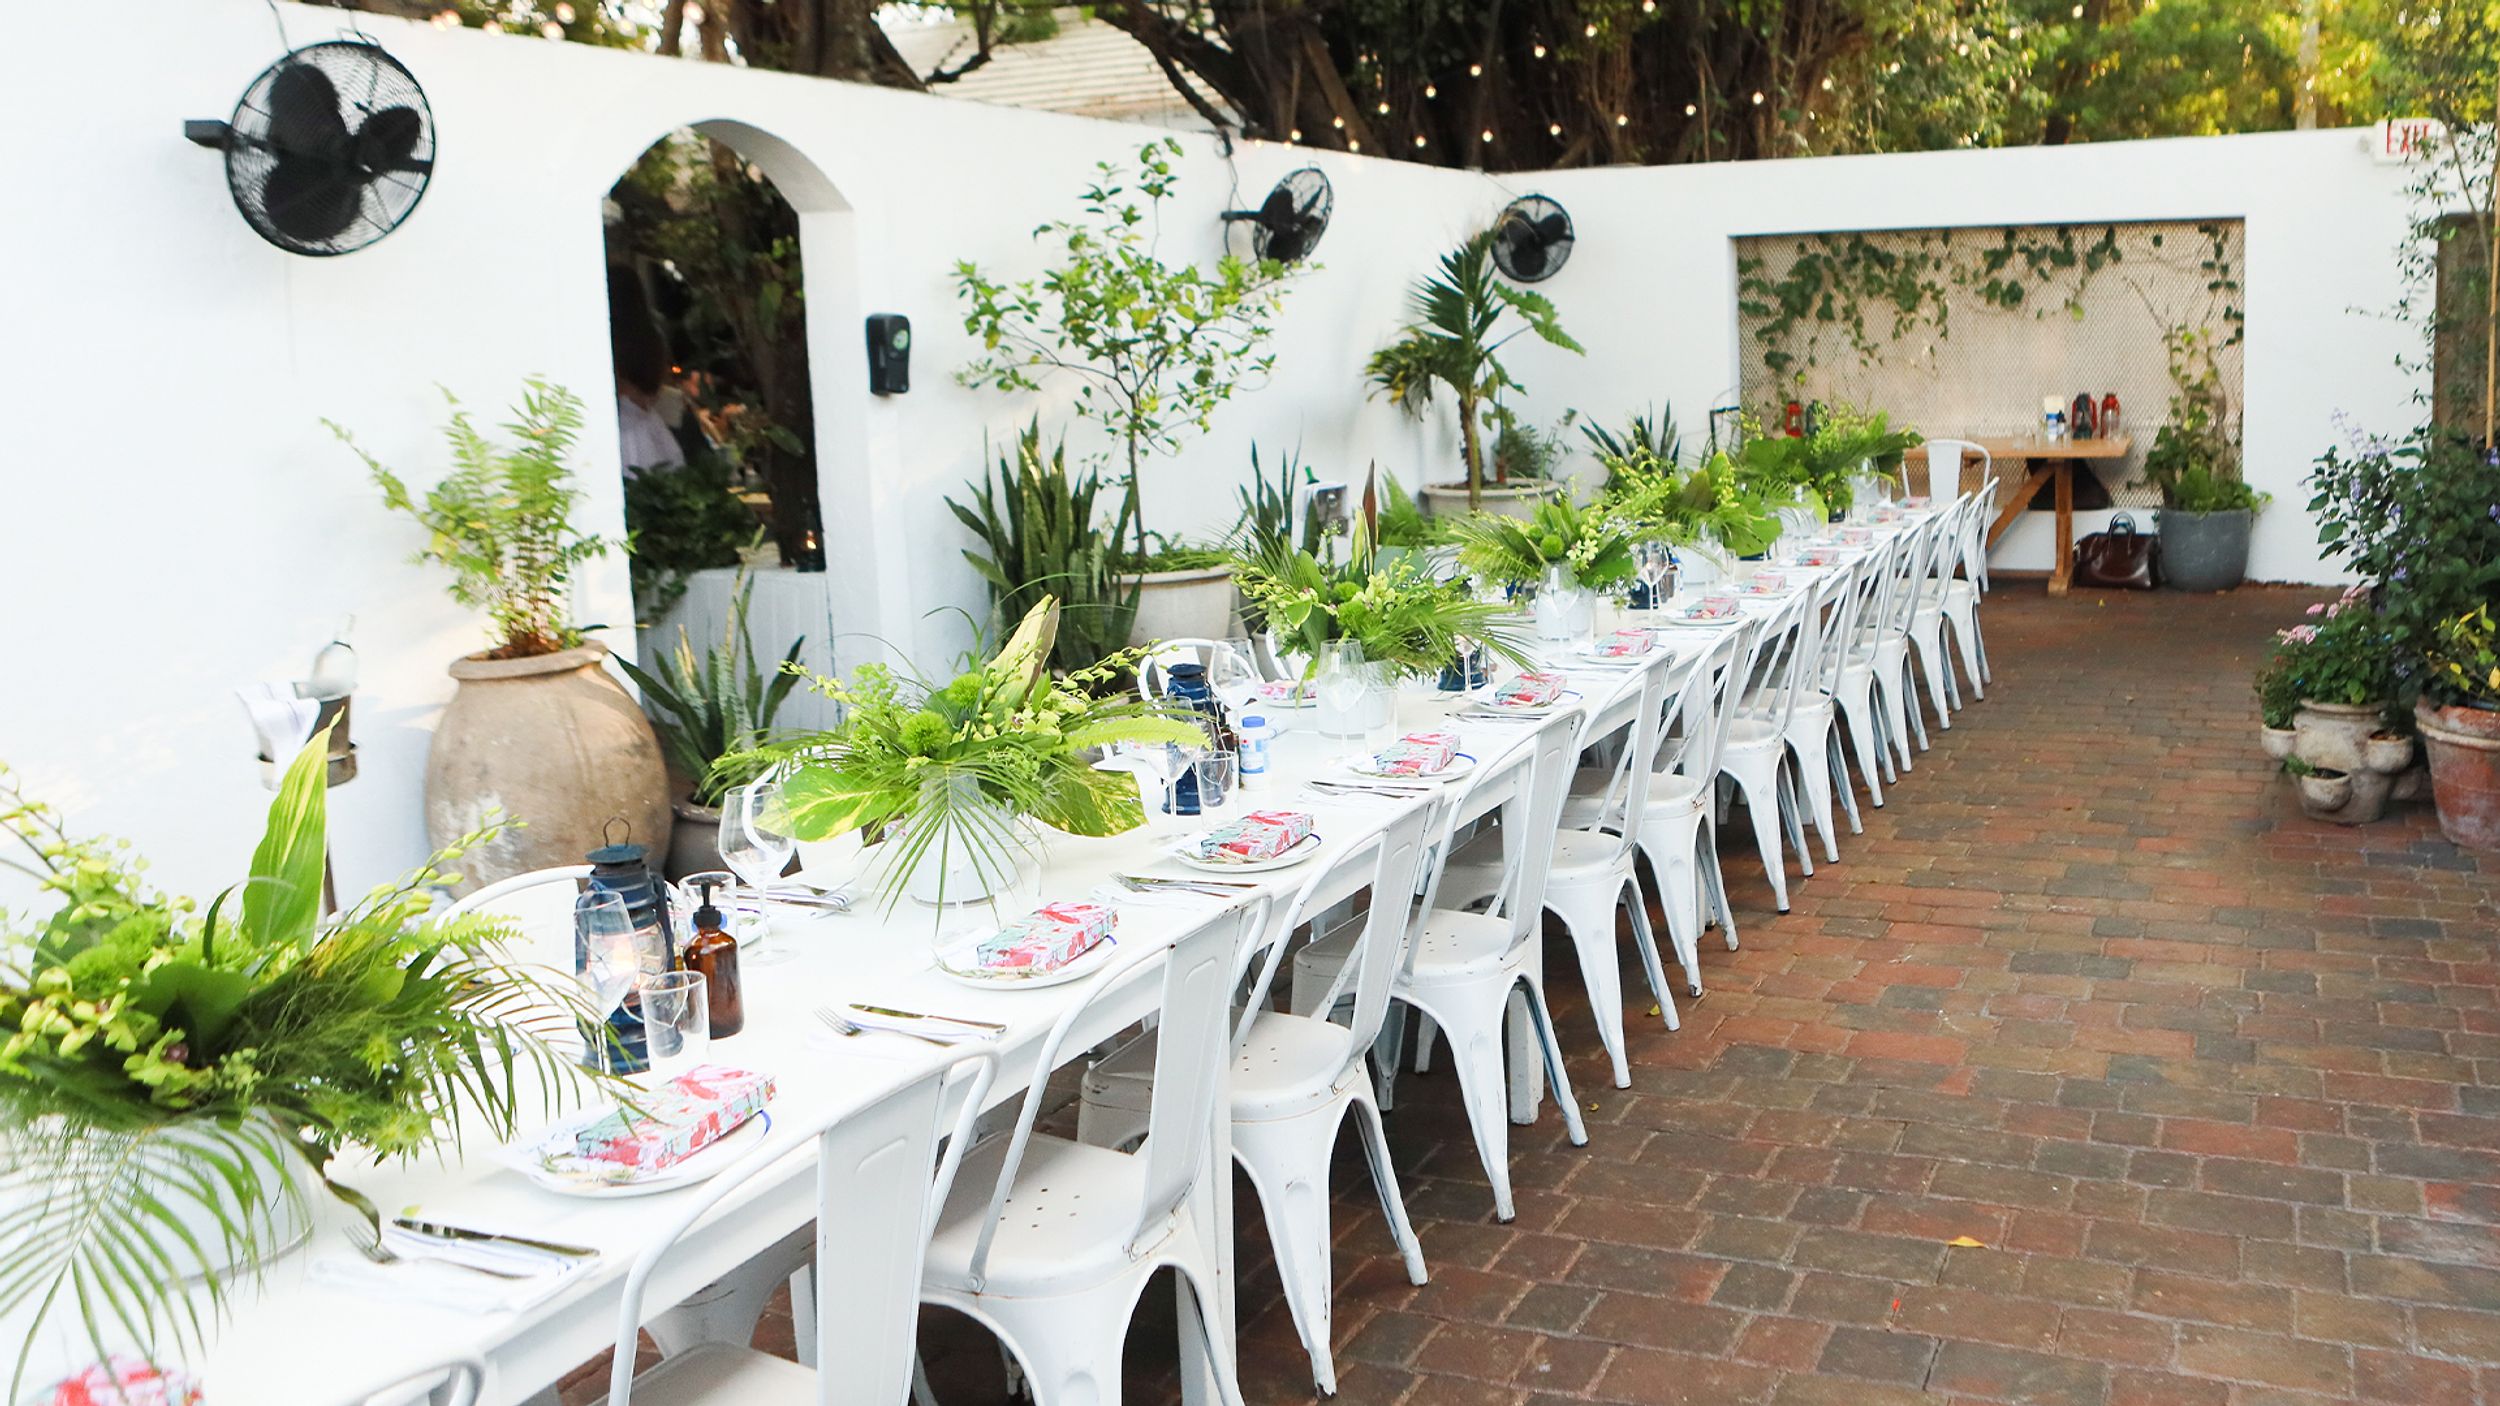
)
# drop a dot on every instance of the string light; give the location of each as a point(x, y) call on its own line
point(1757, 100)
point(1294, 136)
point(564, 13)
point(1419, 141)
point(2078, 12)
point(1475, 70)
point(1553, 129)
point(1539, 51)
point(1649, 7)
point(1384, 109)
point(1353, 145)
point(1963, 50)
point(448, 19)
point(1689, 109)
point(1623, 119)
point(1430, 91)
point(1590, 32)
point(1488, 134)
point(551, 30)
point(1338, 123)
point(1827, 85)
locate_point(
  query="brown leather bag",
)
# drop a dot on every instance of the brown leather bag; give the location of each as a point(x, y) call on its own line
point(2119, 559)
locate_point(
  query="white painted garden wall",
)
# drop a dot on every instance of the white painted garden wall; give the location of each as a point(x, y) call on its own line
point(177, 522)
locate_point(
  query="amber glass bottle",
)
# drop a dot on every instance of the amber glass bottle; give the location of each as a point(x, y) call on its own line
point(714, 953)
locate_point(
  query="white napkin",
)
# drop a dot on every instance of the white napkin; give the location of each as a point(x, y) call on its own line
point(281, 721)
point(432, 1272)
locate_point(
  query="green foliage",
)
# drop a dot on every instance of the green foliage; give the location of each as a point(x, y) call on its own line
point(2348, 657)
point(1402, 522)
point(1266, 521)
point(916, 765)
point(2195, 457)
point(1040, 540)
point(1155, 348)
point(1592, 546)
point(1451, 344)
point(678, 522)
point(1393, 608)
point(2417, 519)
point(163, 1068)
point(1521, 451)
point(1651, 433)
point(1711, 506)
point(501, 520)
point(2278, 692)
point(2465, 660)
point(719, 705)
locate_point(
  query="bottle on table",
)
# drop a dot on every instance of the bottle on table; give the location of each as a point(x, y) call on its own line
point(1254, 733)
point(2109, 415)
point(2083, 417)
point(713, 952)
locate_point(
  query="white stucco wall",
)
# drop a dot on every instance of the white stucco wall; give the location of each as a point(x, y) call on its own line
point(176, 521)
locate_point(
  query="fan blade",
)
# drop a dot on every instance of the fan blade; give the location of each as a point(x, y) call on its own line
point(1527, 261)
point(1276, 212)
point(387, 138)
point(1552, 227)
point(311, 200)
point(304, 113)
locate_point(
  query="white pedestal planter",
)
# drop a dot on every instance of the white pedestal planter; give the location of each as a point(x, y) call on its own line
point(1183, 605)
point(1506, 500)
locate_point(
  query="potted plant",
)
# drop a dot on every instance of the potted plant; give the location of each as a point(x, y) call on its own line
point(2344, 673)
point(174, 1080)
point(2459, 716)
point(536, 727)
point(945, 781)
point(1710, 510)
point(2207, 510)
point(1452, 344)
point(1400, 529)
point(1155, 349)
point(1041, 538)
point(710, 713)
point(1567, 552)
point(2278, 702)
point(1375, 620)
point(680, 521)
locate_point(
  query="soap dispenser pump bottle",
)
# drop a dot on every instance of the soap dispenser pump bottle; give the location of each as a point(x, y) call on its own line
point(714, 953)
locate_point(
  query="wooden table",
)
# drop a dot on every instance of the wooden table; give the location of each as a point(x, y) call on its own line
point(2041, 459)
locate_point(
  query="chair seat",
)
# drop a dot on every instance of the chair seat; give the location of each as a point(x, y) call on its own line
point(717, 1374)
point(1453, 946)
point(1582, 855)
point(1746, 732)
point(1065, 1228)
point(1956, 590)
point(1289, 1065)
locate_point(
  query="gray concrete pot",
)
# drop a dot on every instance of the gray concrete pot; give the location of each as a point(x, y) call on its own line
point(551, 740)
point(2204, 551)
point(1183, 605)
point(1513, 499)
point(694, 843)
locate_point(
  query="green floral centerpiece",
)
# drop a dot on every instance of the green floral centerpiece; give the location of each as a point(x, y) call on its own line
point(1591, 547)
point(172, 1077)
point(937, 777)
point(1715, 507)
point(1392, 607)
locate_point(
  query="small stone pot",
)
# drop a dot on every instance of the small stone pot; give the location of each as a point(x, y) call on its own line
point(2328, 795)
point(2387, 752)
point(2338, 738)
point(2277, 741)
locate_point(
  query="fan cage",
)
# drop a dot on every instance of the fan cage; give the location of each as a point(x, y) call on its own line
point(1530, 209)
point(1303, 185)
point(367, 80)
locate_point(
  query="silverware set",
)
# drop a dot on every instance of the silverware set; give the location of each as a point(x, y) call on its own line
point(839, 1021)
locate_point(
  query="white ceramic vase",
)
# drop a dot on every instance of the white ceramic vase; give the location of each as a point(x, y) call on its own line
point(1564, 609)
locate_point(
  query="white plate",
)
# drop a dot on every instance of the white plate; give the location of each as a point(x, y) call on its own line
point(1302, 850)
point(567, 1176)
point(1459, 766)
point(1302, 703)
point(1678, 619)
point(1092, 961)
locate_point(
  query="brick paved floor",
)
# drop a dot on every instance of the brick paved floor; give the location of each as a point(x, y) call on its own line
point(2216, 1091)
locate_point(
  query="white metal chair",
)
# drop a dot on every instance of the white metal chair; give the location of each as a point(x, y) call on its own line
point(1886, 640)
point(1048, 1243)
point(539, 905)
point(1754, 754)
point(1813, 729)
point(1944, 536)
point(1295, 1077)
point(450, 1381)
point(870, 1160)
point(1153, 670)
point(1679, 834)
point(1854, 683)
point(1956, 594)
point(1944, 466)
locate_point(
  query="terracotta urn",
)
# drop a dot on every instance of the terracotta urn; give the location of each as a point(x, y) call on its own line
point(2464, 747)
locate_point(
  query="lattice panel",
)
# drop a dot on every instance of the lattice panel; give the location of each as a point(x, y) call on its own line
point(2093, 303)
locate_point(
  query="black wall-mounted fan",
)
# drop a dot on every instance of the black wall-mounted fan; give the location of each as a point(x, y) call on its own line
point(329, 150)
point(1532, 239)
point(1287, 225)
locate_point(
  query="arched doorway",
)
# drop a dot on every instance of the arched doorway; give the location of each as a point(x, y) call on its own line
point(710, 236)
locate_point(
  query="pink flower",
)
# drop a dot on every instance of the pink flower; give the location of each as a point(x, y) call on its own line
point(2318, 609)
point(2298, 634)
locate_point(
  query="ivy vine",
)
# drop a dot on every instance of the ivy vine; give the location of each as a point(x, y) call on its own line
point(1872, 291)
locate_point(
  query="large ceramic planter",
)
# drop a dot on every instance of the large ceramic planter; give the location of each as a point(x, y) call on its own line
point(551, 740)
point(2204, 551)
point(2464, 747)
point(694, 841)
point(1183, 605)
point(1502, 500)
point(2335, 737)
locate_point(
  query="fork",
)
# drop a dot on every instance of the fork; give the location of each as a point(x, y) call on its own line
point(841, 1024)
point(380, 1253)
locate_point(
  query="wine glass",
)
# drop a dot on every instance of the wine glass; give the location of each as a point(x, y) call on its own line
point(756, 841)
point(1233, 673)
point(607, 960)
point(1657, 567)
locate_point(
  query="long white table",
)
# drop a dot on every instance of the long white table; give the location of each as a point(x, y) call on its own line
point(297, 1342)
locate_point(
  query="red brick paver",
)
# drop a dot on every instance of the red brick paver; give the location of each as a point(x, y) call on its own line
point(2214, 1089)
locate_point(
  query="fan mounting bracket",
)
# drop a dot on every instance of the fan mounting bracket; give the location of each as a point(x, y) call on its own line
point(207, 132)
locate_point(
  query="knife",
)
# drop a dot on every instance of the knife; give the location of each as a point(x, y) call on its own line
point(435, 1230)
point(892, 1014)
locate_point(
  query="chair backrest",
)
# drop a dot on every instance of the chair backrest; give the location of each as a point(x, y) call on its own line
point(1838, 600)
point(1191, 1049)
point(1153, 670)
point(1912, 552)
point(1975, 533)
point(1394, 858)
point(1944, 466)
point(1636, 715)
point(539, 905)
point(868, 1161)
point(1782, 661)
point(1542, 771)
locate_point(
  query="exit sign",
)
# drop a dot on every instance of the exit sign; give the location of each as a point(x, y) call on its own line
point(2400, 139)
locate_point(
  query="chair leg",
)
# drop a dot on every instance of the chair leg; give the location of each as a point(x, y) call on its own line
point(1838, 765)
point(1966, 639)
point(1764, 808)
point(1375, 1139)
point(1543, 1016)
point(1592, 930)
point(1706, 860)
point(1476, 1058)
point(1812, 753)
point(1385, 1050)
point(1679, 886)
point(1931, 663)
point(1792, 816)
point(1069, 1346)
point(1909, 705)
point(1647, 942)
point(1288, 1163)
point(1860, 717)
point(1424, 1034)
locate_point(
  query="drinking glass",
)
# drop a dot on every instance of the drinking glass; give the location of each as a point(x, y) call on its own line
point(755, 840)
point(606, 957)
point(1218, 773)
point(676, 1021)
point(1233, 673)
